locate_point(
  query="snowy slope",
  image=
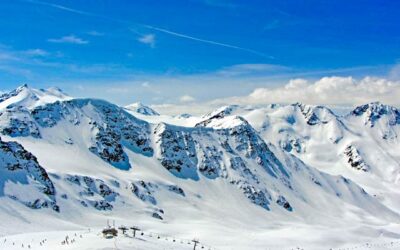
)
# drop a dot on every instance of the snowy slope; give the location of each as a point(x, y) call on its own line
point(261, 172)
point(362, 145)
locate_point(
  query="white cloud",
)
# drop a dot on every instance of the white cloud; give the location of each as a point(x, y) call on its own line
point(187, 98)
point(26, 73)
point(36, 52)
point(118, 90)
point(327, 90)
point(247, 69)
point(68, 39)
point(331, 91)
point(149, 39)
point(8, 56)
point(145, 84)
point(189, 108)
point(296, 84)
point(216, 90)
point(174, 95)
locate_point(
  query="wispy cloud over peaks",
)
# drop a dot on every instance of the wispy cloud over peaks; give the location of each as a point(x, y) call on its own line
point(68, 39)
point(328, 90)
point(246, 69)
point(149, 39)
point(187, 98)
point(145, 84)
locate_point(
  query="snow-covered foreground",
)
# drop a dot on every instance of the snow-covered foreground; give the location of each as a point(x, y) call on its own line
point(276, 177)
point(92, 239)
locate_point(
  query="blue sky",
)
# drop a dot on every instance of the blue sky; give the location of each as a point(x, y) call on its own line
point(160, 51)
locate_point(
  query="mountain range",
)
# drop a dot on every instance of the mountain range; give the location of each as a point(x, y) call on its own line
point(277, 175)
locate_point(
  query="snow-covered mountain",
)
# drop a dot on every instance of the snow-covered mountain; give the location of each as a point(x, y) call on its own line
point(238, 170)
point(138, 107)
point(363, 145)
point(27, 97)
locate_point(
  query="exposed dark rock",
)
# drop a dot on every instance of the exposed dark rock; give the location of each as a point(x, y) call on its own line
point(19, 165)
point(144, 191)
point(281, 201)
point(354, 158)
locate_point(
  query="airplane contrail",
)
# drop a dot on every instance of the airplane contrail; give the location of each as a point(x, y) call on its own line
point(165, 31)
point(206, 41)
point(57, 6)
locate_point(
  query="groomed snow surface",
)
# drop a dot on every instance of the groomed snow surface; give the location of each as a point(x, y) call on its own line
point(92, 239)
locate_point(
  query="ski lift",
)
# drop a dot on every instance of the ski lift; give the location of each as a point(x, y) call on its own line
point(110, 232)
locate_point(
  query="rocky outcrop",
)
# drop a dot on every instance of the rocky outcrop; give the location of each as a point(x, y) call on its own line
point(354, 158)
point(92, 191)
point(144, 191)
point(210, 162)
point(253, 194)
point(177, 151)
point(17, 122)
point(247, 141)
point(108, 147)
point(19, 167)
point(281, 201)
point(314, 115)
point(373, 112)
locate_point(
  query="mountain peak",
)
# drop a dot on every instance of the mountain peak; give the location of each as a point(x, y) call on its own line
point(374, 111)
point(217, 114)
point(140, 108)
point(374, 108)
point(29, 97)
point(18, 90)
point(23, 86)
point(221, 112)
point(224, 122)
point(315, 114)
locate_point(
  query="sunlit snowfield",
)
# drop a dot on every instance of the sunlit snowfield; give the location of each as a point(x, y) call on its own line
point(93, 240)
